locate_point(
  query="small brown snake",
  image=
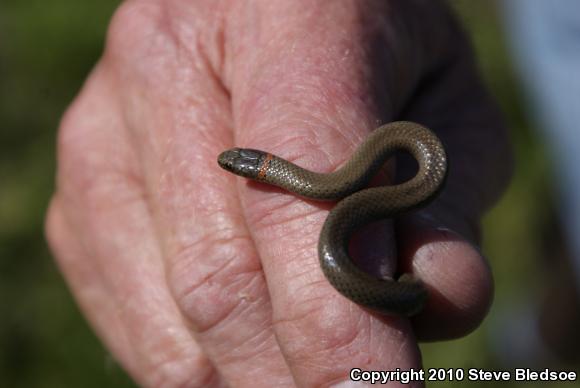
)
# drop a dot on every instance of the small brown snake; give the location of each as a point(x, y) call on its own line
point(358, 205)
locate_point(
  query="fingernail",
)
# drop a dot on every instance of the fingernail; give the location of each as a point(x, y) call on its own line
point(428, 220)
point(458, 227)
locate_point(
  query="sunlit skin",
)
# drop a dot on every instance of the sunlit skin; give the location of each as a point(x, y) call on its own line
point(193, 277)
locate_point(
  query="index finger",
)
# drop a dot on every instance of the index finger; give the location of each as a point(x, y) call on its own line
point(327, 75)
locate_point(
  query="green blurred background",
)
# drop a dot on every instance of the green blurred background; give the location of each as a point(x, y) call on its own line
point(46, 51)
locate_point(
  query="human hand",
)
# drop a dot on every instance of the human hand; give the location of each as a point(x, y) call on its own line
point(193, 277)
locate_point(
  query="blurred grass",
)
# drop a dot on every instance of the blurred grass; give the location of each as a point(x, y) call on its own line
point(46, 51)
point(513, 228)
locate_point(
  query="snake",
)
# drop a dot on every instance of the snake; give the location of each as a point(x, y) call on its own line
point(359, 205)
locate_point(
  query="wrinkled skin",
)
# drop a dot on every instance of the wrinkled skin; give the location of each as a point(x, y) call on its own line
point(193, 277)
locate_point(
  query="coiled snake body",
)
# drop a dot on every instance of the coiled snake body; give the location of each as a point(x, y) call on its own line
point(359, 205)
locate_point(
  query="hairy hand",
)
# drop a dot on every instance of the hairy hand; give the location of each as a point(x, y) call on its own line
point(193, 277)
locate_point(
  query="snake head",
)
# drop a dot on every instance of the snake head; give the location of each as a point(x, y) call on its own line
point(242, 161)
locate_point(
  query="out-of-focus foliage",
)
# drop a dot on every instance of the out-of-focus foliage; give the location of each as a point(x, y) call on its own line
point(46, 50)
point(513, 230)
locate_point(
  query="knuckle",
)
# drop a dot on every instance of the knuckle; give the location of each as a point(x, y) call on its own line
point(214, 279)
point(195, 372)
point(130, 22)
point(94, 158)
point(72, 157)
point(159, 30)
point(78, 161)
point(317, 315)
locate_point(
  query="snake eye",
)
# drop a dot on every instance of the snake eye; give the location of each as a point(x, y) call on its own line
point(226, 159)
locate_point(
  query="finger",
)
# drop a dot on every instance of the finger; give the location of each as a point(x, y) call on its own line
point(444, 238)
point(309, 97)
point(456, 273)
point(212, 265)
point(100, 229)
point(175, 359)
